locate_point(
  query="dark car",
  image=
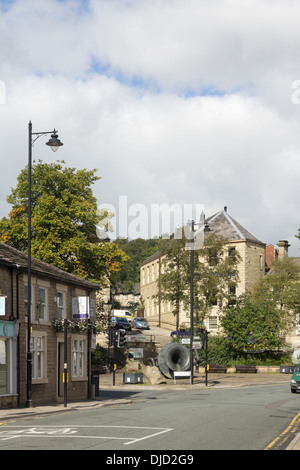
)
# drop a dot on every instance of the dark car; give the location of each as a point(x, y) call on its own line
point(121, 323)
point(140, 323)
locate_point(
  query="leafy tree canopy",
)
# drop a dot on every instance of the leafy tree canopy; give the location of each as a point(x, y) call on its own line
point(137, 250)
point(63, 221)
point(258, 320)
point(214, 274)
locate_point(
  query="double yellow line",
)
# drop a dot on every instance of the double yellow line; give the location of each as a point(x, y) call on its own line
point(283, 437)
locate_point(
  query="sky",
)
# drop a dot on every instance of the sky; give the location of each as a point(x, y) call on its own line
point(176, 103)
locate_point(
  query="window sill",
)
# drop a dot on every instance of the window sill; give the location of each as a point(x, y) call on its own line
point(39, 381)
point(80, 379)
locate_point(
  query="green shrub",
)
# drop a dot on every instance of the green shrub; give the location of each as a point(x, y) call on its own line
point(99, 356)
point(220, 352)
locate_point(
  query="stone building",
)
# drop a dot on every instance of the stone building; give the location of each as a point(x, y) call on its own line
point(250, 268)
point(54, 295)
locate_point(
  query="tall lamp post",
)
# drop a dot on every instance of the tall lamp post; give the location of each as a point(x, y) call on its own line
point(196, 241)
point(54, 143)
point(192, 300)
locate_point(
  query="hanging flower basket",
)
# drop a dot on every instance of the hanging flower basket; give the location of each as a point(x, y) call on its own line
point(74, 326)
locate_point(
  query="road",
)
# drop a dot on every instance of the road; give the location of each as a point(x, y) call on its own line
point(247, 418)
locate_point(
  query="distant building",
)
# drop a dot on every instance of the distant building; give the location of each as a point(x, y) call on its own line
point(251, 268)
point(127, 298)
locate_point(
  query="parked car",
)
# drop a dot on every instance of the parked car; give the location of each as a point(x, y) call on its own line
point(295, 381)
point(121, 323)
point(140, 323)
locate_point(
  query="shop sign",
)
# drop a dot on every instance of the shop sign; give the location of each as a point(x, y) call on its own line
point(80, 308)
point(7, 328)
point(136, 353)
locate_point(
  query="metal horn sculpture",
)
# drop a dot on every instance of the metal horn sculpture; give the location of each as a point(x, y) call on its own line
point(173, 357)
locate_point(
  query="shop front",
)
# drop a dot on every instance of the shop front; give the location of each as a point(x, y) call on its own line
point(8, 363)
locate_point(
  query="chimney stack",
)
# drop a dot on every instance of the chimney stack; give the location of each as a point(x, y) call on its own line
point(283, 248)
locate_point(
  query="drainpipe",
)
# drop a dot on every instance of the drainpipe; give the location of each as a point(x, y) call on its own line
point(11, 273)
point(18, 337)
point(89, 350)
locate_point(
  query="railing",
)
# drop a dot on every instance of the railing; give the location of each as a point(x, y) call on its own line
point(143, 338)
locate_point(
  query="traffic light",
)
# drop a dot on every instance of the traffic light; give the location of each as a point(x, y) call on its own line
point(121, 338)
point(110, 337)
point(204, 338)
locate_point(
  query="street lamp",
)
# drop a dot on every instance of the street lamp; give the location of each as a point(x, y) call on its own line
point(54, 143)
point(196, 241)
point(192, 223)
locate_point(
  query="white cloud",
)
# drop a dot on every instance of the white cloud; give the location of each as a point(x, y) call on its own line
point(74, 67)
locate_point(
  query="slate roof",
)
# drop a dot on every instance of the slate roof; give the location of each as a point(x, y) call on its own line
point(152, 257)
point(223, 225)
point(12, 257)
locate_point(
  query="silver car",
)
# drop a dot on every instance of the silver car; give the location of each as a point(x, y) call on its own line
point(140, 323)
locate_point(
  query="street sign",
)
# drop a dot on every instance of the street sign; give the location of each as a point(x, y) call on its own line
point(136, 353)
point(141, 338)
point(196, 343)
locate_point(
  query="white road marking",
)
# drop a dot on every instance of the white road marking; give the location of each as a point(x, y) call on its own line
point(14, 432)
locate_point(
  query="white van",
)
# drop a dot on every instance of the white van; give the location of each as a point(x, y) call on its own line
point(122, 313)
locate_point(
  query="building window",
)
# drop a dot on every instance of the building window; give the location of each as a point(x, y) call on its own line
point(232, 295)
point(78, 351)
point(61, 311)
point(38, 349)
point(213, 323)
point(42, 305)
point(231, 251)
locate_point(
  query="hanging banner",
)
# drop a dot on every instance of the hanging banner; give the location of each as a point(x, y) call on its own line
point(80, 308)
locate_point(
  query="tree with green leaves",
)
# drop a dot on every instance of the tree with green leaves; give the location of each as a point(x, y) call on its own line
point(137, 250)
point(172, 281)
point(215, 273)
point(252, 323)
point(64, 217)
point(258, 320)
